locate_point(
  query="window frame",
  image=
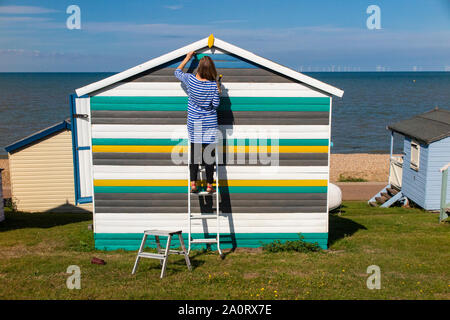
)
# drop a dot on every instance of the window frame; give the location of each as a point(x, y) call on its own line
point(415, 163)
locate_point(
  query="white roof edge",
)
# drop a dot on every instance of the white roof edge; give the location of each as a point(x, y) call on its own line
point(142, 67)
point(278, 67)
point(199, 45)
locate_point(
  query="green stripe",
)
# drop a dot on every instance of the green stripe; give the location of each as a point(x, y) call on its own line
point(238, 100)
point(132, 241)
point(236, 142)
point(162, 107)
point(251, 189)
point(319, 104)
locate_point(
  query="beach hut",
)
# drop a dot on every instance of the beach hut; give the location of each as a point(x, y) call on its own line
point(426, 149)
point(127, 127)
point(41, 171)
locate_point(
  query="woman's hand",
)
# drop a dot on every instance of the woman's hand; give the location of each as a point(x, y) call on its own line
point(186, 60)
point(190, 54)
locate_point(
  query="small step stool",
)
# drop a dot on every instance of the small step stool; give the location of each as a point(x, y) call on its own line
point(161, 256)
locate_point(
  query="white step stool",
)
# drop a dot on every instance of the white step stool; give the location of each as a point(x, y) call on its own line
point(161, 256)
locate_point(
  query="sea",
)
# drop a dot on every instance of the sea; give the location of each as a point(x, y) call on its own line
point(30, 102)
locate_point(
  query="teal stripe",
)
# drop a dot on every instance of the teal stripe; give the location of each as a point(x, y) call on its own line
point(131, 241)
point(138, 142)
point(172, 107)
point(237, 142)
point(238, 100)
point(321, 104)
point(217, 57)
point(250, 189)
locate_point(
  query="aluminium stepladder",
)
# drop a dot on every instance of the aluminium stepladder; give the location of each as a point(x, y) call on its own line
point(207, 216)
point(163, 253)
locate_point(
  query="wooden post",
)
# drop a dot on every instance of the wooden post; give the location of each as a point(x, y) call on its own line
point(2, 212)
point(390, 158)
point(443, 215)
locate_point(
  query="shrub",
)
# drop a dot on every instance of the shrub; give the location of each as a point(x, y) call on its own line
point(296, 245)
point(343, 178)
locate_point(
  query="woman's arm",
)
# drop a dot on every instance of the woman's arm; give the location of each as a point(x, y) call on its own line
point(183, 77)
point(186, 60)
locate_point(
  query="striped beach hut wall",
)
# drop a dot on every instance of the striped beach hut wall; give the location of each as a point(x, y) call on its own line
point(131, 141)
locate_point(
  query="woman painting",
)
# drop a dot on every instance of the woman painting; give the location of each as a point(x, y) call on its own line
point(203, 100)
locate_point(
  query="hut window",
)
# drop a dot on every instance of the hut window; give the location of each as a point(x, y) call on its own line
point(415, 155)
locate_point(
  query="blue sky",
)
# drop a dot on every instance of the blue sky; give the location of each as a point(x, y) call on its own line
point(304, 35)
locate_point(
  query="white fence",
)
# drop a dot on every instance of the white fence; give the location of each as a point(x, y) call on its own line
point(395, 172)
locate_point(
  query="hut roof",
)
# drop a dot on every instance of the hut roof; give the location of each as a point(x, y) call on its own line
point(65, 125)
point(203, 45)
point(428, 127)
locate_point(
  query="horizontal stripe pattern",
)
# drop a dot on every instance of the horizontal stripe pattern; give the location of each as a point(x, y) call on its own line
point(318, 104)
point(231, 202)
point(137, 186)
point(132, 241)
point(239, 189)
point(164, 159)
point(223, 183)
point(222, 63)
point(229, 89)
point(224, 117)
point(226, 131)
point(228, 149)
point(234, 173)
point(230, 142)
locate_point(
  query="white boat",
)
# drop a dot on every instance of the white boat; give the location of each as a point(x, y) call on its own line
point(334, 197)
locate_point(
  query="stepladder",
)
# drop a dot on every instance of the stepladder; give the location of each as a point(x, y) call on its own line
point(214, 214)
point(162, 253)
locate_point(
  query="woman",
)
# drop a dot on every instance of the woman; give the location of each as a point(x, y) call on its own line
point(203, 100)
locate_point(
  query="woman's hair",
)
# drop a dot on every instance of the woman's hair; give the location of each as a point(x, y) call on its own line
point(207, 69)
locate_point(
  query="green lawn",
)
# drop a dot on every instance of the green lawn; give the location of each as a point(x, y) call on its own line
point(409, 245)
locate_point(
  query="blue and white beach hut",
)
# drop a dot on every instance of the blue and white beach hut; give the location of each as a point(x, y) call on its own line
point(426, 149)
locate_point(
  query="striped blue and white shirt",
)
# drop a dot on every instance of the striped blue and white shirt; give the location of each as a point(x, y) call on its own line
point(203, 101)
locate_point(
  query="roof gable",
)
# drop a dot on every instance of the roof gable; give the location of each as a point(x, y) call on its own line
point(427, 127)
point(202, 45)
point(65, 125)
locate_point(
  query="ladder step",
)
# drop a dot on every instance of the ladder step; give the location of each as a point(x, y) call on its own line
point(204, 241)
point(203, 216)
point(151, 255)
point(203, 193)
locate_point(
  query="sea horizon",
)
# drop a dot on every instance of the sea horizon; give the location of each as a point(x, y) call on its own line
point(371, 101)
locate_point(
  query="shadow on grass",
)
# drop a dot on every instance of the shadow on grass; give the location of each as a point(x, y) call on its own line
point(340, 227)
point(22, 220)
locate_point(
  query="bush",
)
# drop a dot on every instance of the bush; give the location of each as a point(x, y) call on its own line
point(296, 245)
point(343, 178)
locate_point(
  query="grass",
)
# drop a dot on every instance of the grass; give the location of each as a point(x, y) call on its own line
point(343, 178)
point(409, 245)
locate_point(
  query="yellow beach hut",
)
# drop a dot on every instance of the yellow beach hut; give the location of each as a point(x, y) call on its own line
point(41, 171)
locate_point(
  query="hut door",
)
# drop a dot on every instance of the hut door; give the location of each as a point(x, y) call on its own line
point(81, 146)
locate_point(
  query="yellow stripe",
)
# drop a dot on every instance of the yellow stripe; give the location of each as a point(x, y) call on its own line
point(230, 183)
point(231, 149)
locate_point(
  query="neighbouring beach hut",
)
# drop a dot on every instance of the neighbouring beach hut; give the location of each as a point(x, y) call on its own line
point(426, 149)
point(42, 171)
point(127, 127)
